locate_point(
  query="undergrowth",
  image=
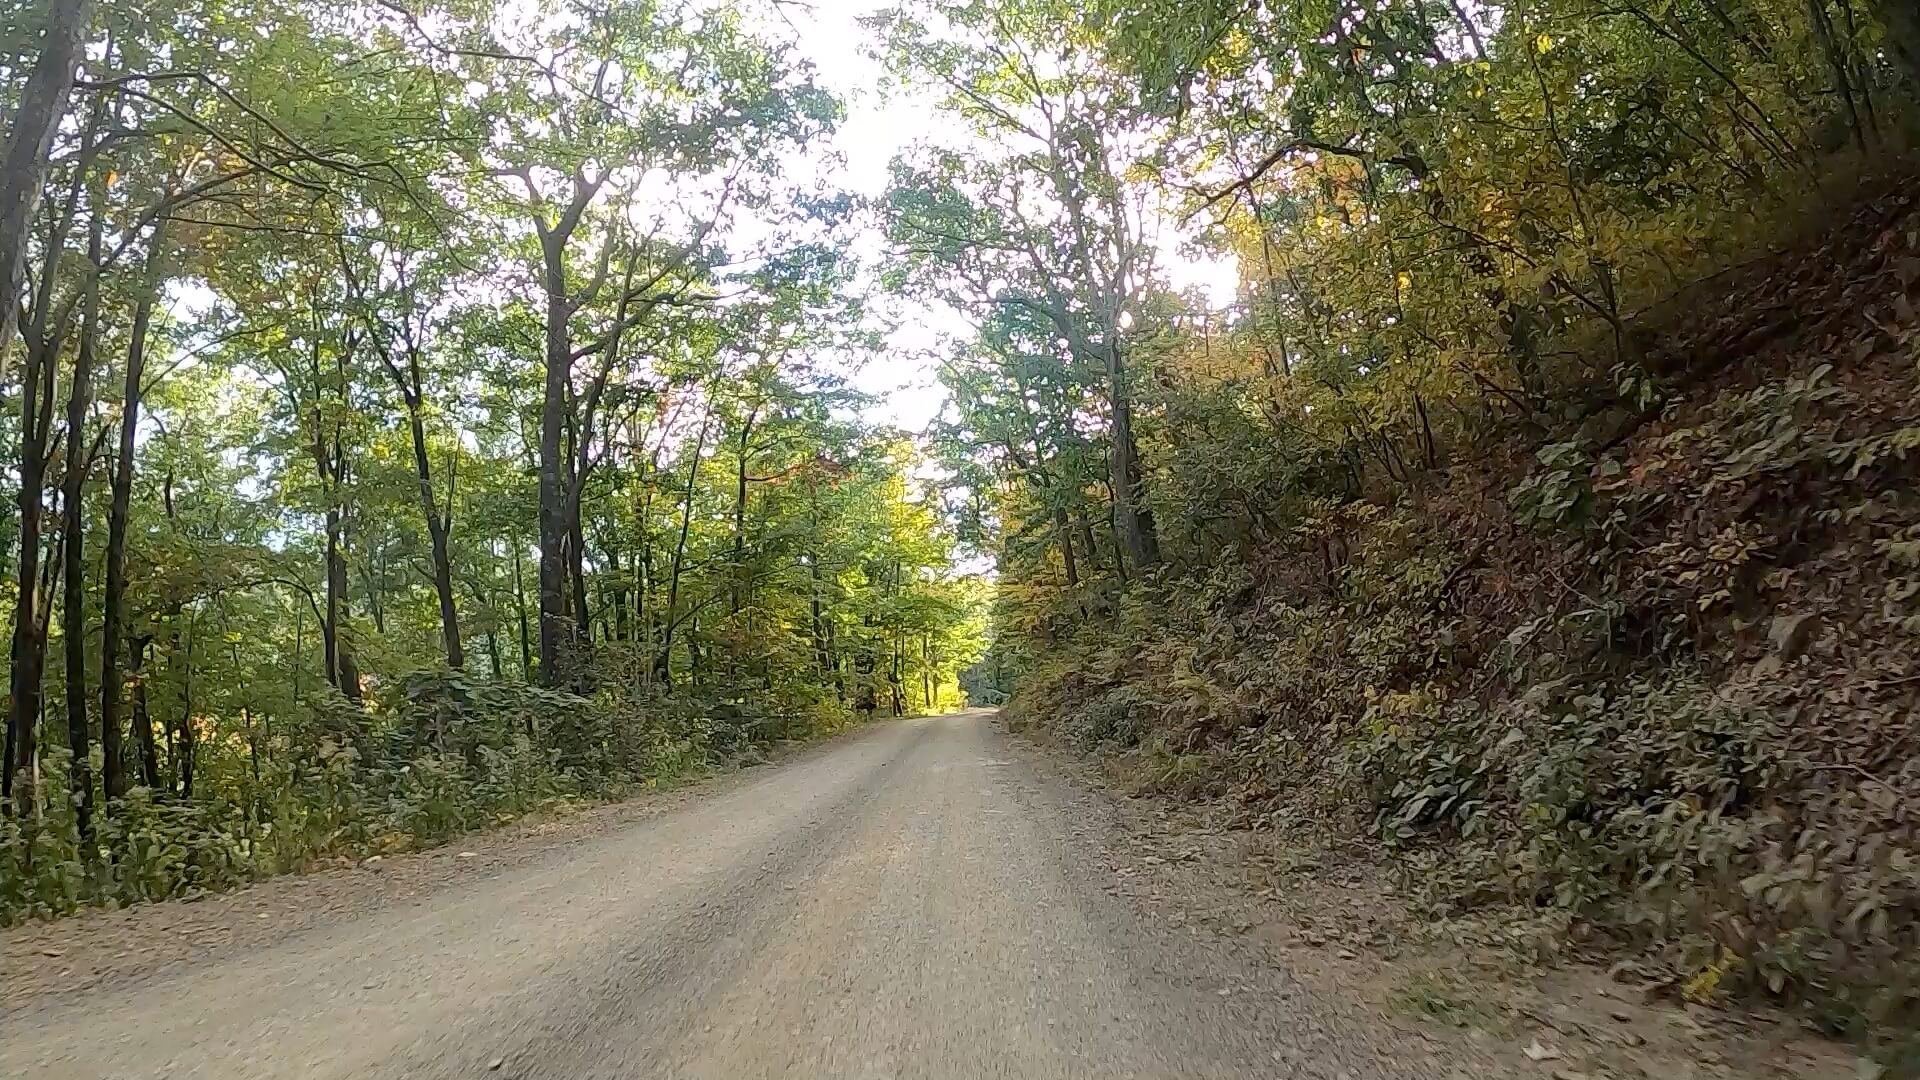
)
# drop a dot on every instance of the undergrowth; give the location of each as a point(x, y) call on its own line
point(1656, 672)
point(449, 756)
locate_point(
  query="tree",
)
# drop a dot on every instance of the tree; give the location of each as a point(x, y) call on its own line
point(1055, 226)
point(640, 88)
point(400, 338)
point(361, 310)
point(43, 101)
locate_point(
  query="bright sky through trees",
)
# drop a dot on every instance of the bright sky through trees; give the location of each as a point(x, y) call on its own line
point(883, 119)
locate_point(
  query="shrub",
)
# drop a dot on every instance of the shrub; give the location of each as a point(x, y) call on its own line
point(1560, 492)
point(340, 778)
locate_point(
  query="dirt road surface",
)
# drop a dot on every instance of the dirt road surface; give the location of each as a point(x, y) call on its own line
point(915, 901)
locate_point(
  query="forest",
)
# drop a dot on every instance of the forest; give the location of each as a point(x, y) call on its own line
point(1539, 514)
point(421, 416)
point(432, 410)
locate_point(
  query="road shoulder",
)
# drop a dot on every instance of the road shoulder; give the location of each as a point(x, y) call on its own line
point(42, 962)
point(1336, 922)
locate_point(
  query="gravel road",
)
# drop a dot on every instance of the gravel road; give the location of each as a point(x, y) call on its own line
point(913, 901)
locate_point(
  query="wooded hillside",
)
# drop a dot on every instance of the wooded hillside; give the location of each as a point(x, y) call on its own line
point(1542, 508)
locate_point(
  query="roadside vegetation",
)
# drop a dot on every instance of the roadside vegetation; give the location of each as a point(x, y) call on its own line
point(1542, 509)
point(423, 415)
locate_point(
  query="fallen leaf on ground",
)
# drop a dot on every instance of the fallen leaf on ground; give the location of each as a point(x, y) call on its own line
point(1536, 1051)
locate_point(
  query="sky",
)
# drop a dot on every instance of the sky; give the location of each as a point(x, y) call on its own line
point(879, 124)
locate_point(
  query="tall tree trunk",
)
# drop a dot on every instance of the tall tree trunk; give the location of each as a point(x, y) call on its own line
point(520, 605)
point(663, 662)
point(43, 101)
point(329, 626)
point(1140, 542)
point(622, 588)
point(438, 526)
point(73, 520)
point(412, 388)
point(893, 668)
point(816, 612)
point(29, 639)
point(1064, 534)
point(893, 679)
point(172, 623)
point(643, 613)
point(142, 718)
point(555, 410)
point(114, 603)
point(345, 674)
point(44, 341)
point(30, 615)
point(737, 595)
point(186, 745)
point(330, 463)
point(817, 623)
point(1137, 530)
point(834, 666)
point(1087, 543)
point(555, 628)
point(577, 581)
point(339, 591)
point(643, 568)
point(1113, 530)
point(299, 665)
point(443, 584)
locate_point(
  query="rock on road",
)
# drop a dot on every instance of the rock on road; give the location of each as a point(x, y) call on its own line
point(910, 902)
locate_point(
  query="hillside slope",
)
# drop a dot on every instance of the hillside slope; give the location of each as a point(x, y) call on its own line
point(1648, 669)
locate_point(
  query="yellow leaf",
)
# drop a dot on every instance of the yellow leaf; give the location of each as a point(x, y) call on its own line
point(1543, 43)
